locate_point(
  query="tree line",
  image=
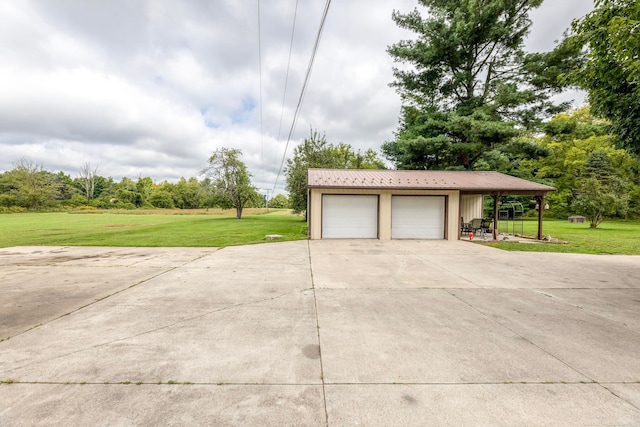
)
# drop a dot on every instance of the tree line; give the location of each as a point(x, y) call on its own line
point(224, 183)
point(472, 99)
point(29, 186)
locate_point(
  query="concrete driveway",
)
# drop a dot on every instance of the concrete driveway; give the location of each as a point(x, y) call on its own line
point(318, 333)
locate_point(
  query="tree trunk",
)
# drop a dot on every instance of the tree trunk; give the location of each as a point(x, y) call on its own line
point(238, 212)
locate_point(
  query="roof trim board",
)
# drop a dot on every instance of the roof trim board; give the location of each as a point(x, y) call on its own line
point(467, 182)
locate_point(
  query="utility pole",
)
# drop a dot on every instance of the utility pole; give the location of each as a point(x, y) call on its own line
point(266, 201)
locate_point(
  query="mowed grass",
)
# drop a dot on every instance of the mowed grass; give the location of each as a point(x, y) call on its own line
point(214, 228)
point(611, 237)
point(217, 228)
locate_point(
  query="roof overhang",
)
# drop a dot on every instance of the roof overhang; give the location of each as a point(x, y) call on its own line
point(467, 182)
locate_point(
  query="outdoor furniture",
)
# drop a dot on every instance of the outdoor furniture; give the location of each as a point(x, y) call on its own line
point(465, 227)
point(476, 225)
point(487, 225)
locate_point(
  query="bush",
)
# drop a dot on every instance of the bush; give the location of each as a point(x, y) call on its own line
point(78, 200)
point(119, 204)
point(101, 203)
point(161, 199)
point(8, 200)
point(12, 209)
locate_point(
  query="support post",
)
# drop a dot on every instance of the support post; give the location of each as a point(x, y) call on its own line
point(496, 199)
point(540, 201)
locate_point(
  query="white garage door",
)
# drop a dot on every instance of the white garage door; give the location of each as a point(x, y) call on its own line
point(417, 217)
point(349, 217)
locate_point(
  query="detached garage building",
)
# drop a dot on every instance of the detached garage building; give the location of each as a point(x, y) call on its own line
point(391, 204)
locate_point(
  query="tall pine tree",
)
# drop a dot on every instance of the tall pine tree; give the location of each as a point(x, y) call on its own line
point(467, 86)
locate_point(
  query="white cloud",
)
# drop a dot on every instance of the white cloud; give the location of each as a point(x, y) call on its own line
point(151, 88)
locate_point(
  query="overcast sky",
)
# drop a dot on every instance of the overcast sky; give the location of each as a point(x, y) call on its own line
point(151, 88)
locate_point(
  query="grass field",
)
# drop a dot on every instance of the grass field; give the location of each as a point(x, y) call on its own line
point(220, 228)
point(611, 237)
point(148, 228)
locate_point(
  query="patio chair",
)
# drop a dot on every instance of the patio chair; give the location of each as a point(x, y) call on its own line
point(476, 225)
point(487, 225)
point(465, 227)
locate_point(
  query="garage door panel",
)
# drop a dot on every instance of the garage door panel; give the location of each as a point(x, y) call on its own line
point(417, 217)
point(349, 217)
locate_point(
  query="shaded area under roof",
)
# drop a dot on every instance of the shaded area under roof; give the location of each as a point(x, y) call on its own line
point(470, 182)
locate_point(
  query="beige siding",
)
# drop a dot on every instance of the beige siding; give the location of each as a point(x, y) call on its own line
point(471, 206)
point(384, 214)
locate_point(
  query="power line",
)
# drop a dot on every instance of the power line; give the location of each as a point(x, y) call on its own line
point(260, 97)
point(286, 79)
point(304, 89)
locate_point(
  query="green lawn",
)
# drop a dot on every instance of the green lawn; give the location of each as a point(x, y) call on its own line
point(154, 228)
point(220, 228)
point(611, 237)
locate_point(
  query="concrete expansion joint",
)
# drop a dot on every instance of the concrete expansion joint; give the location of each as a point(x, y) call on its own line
point(10, 381)
point(149, 331)
point(496, 383)
point(97, 300)
point(198, 316)
point(497, 322)
point(396, 289)
point(578, 306)
point(315, 305)
point(196, 258)
point(423, 258)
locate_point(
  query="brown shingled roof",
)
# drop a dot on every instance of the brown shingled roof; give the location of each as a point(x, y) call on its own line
point(465, 181)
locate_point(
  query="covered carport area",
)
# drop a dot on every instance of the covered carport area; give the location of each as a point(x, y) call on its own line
point(511, 188)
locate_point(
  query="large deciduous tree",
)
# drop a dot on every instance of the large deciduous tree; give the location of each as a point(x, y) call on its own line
point(316, 152)
point(231, 179)
point(610, 34)
point(466, 84)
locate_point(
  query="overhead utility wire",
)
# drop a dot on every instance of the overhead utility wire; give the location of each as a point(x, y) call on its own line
point(260, 71)
point(304, 89)
point(286, 79)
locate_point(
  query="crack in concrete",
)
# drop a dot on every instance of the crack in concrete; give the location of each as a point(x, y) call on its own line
point(592, 381)
point(483, 314)
point(619, 397)
point(149, 331)
point(576, 305)
point(442, 268)
point(97, 300)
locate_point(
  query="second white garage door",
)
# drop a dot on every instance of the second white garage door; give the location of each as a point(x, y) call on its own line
point(417, 217)
point(349, 217)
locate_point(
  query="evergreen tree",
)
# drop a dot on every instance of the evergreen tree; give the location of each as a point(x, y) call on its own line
point(469, 87)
